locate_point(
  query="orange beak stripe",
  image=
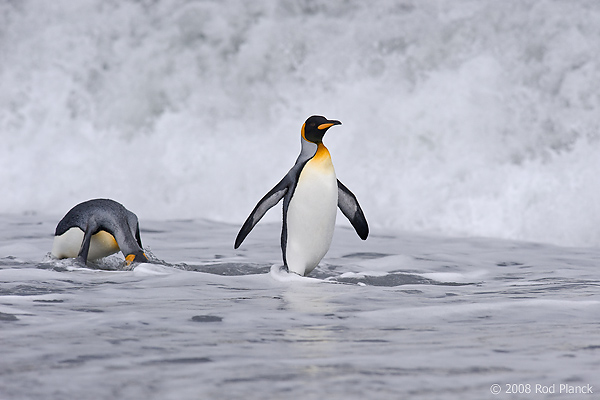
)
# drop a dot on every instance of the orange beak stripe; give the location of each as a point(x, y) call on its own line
point(324, 126)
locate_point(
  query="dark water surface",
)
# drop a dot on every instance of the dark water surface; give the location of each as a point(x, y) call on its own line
point(397, 316)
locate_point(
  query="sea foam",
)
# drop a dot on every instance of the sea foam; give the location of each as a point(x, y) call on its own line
point(462, 118)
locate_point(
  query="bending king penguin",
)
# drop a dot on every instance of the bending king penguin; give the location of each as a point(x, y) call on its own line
point(311, 194)
point(98, 228)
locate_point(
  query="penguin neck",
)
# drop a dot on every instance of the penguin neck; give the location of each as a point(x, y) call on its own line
point(321, 161)
point(322, 155)
point(315, 153)
point(307, 151)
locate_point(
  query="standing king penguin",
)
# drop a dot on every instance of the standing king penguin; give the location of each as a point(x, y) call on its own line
point(98, 228)
point(311, 194)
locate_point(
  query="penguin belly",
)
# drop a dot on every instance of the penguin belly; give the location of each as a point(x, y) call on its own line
point(311, 217)
point(68, 244)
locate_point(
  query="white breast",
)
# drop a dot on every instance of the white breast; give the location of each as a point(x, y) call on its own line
point(311, 215)
point(68, 244)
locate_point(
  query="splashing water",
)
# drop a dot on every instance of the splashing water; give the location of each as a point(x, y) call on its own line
point(463, 118)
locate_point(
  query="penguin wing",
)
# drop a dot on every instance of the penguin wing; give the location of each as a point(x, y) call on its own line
point(268, 201)
point(351, 209)
point(91, 229)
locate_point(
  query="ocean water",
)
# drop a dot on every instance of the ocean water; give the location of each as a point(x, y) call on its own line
point(401, 315)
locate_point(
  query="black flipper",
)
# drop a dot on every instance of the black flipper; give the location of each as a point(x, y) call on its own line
point(138, 237)
point(90, 230)
point(349, 206)
point(268, 201)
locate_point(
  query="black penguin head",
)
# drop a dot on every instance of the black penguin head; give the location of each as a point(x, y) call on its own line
point(315, 127)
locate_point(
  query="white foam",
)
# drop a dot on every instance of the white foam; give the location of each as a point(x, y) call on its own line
point(440, 133)
point(362, 274)
point(279, 274)
point(147, 269)
point(471, 276)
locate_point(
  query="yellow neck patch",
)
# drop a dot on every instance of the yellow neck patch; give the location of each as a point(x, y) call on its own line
point(322, 155)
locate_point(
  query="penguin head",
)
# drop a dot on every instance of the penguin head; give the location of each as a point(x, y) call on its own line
point(315, 127)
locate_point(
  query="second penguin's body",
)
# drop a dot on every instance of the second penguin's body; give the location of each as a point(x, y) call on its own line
point(98, 228)
point(311, 195)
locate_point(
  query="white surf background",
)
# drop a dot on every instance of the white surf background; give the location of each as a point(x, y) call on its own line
point(461, 118)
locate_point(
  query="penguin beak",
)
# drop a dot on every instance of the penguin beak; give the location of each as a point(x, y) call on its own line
point(328, 125)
